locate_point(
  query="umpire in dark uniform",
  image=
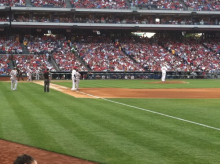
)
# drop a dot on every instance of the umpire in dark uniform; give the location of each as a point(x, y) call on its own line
point(19, 74)
point(46, 81)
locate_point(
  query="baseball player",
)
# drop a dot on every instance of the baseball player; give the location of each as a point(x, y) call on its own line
point(37, 72)
point(78, 75)
point(13, 79)
point(29, 74)
point(47, 81)
point(19, 72)
point(164, 70)
point(74, 79)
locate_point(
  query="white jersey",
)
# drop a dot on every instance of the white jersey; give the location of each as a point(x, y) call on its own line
point(29, 71)
point(73, 74)
point(37, 71)
point(164, 69)
point(13, 74)
point(78, 75)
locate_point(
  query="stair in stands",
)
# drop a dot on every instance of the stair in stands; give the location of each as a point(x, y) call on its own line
point(68, 4)
point(24, 49)
point(28, 3)
point(76, 54)
point(52, 61)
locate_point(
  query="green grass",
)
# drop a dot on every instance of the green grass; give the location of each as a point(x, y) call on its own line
point(190, 83)
point(107, 132)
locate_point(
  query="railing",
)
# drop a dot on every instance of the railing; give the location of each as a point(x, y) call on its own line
point(127, 75)
point(136, 75)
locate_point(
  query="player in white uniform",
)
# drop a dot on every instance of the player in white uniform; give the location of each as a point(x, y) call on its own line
point(164, 70)
point(78, 75)
point(73, 79)
point(29, 74)
point(13, 79)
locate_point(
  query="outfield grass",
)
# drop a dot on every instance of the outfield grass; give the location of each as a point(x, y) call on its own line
point(107, 132)
point(189, 83)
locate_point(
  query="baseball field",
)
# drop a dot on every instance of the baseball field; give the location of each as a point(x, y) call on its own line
point(112, 122)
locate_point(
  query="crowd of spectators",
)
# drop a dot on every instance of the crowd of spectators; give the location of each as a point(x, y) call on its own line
point(32, 63)
point(150, 55)
point(159, 4)
point(99, 4)
point(67, 61)
point(14, 3)
point(45, 18)
point(193, 53)
point(56, 47)
point(46, 44)
point(4, 19)
point(10, 45)
point(212, 44)
point(196, 5)
point(201, 5)
point(48, 3)
point(101, 53)
point(22, 18)
point(4, 64)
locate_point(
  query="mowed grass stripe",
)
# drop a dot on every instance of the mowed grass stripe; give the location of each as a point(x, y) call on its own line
point(111, 133)
point(69, 124)
point(204, 111)
point(139, 133)
point(10, 114)
point(63, 121)
point(82, 128)
point(26, 110)
point(6, 113)
point(154, 104)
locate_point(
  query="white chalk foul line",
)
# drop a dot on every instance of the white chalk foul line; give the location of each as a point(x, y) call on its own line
point(56, 88)
point(52, 86)
point(166, 115)
point(59, 86)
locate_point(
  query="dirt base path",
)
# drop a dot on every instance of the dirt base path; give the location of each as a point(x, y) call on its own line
point(201, 93)
point(9, 151)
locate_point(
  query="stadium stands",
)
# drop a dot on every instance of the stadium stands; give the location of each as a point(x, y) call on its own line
point(98, 32)
point(98, 4)
point(33, 62)
point(4, 65)
point(49, 3)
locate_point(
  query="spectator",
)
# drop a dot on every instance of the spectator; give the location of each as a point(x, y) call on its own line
point(25, 159)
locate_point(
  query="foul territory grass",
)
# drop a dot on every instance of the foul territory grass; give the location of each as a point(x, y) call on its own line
point(112, 133)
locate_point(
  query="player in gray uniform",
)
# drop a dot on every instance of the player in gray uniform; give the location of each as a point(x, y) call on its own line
point(37, 72)
point(78, 75)
point(14, 81)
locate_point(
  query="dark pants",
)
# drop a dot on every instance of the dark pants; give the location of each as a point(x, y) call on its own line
point(20, 76)
point(46, 85)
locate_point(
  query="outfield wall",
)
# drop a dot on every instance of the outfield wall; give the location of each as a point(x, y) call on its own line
point(7, 78)
point(136, 75)
point(126, 75)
